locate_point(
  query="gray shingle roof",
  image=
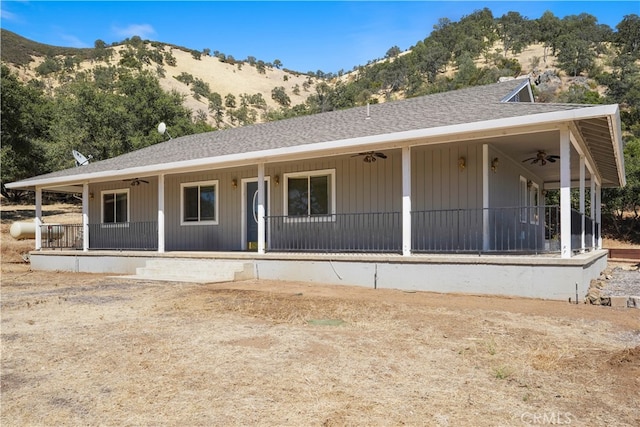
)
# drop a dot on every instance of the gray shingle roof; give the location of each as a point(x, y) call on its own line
point(475, 104)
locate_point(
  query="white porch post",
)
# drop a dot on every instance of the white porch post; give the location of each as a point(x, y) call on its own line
point(161, 213)
point(582, 204)
point(261, 210)
point(485, 197)
point(406, 201)
point(592, 210)
point(85, 217)
point(599, 214)
point(38, 218)
point(565, 193)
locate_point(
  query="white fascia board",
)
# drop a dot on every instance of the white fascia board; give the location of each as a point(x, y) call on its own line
point(344, 146)
point(618, 147)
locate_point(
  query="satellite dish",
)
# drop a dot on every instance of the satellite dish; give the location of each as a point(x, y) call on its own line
point(80, 159)
point(162, 129)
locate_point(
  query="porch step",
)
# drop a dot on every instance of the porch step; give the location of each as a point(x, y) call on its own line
point(195, 270)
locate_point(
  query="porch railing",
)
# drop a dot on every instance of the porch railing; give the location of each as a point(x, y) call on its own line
point(61, 236)
point(509, 230)
point(497, 230)
point(124, 235)
point(352, 232)
point(591, 228)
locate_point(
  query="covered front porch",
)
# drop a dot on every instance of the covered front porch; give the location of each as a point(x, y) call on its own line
point(481, 199)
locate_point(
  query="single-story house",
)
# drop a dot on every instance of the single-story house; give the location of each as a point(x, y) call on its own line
point(443, 192)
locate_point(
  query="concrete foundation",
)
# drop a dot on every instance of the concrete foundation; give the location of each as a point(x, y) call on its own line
point(546, 277)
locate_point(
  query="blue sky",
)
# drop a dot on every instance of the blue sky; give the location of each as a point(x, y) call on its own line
point(304, 36)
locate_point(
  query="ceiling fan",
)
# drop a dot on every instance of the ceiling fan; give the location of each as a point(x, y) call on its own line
point(136, 181)
point(542, 157)
point(371, 156)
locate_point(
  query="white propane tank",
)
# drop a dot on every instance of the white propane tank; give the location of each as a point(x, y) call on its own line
point(21, 230)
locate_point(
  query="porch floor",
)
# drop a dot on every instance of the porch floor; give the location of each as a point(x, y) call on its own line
point(416, 258)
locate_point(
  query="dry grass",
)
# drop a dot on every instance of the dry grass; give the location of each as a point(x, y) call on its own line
point(82, 349)
point(15, 251)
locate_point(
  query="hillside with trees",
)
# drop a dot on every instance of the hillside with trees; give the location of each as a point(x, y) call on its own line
point(108, 100)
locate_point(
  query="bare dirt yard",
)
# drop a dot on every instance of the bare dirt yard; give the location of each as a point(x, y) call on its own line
point(87, 349)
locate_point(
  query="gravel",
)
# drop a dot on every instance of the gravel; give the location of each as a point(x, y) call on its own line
point(622, 281)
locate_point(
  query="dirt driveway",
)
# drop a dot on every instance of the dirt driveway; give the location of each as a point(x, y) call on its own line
point(82, 349)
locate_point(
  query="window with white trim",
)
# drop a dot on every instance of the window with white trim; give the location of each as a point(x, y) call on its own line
point(529, 194)
point(310, 194)
point(199, 202)
point(534, 202)
point(115, 206)
point(523, 195)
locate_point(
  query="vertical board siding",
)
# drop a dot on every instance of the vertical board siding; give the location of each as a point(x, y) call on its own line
point(504, 192)
point(143, 207)
point(441, 191)
point(437, 184)
point(225, 235)
point(504, 185)
point(143, 200)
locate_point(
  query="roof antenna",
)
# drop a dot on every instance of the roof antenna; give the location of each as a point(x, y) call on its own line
point(162, 129)
point(80, 159)
point(368, 112)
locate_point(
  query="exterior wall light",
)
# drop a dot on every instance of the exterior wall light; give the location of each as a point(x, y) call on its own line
point(494, 165)
point(462, 163)
point(234, 183)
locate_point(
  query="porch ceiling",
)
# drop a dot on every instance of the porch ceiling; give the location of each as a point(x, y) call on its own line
point(597, 136)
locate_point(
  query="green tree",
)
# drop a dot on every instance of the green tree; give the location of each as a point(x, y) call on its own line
point(48, 66)
point(514, 31)
point(185, 78)
point(200, 88)
point(25, 115)
point(621, 206)
point(100, 51)
point(575, 55)
point(393, 52)
point(170, 59)
point(277, 63)
point(129, 59)
point(467, 74)
point(243, 116)
point(230, 101)
point(580, 95)
point(216, 107)
point(549, 29)
point(628, 35)
point(279, 95)
point(105, 77)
